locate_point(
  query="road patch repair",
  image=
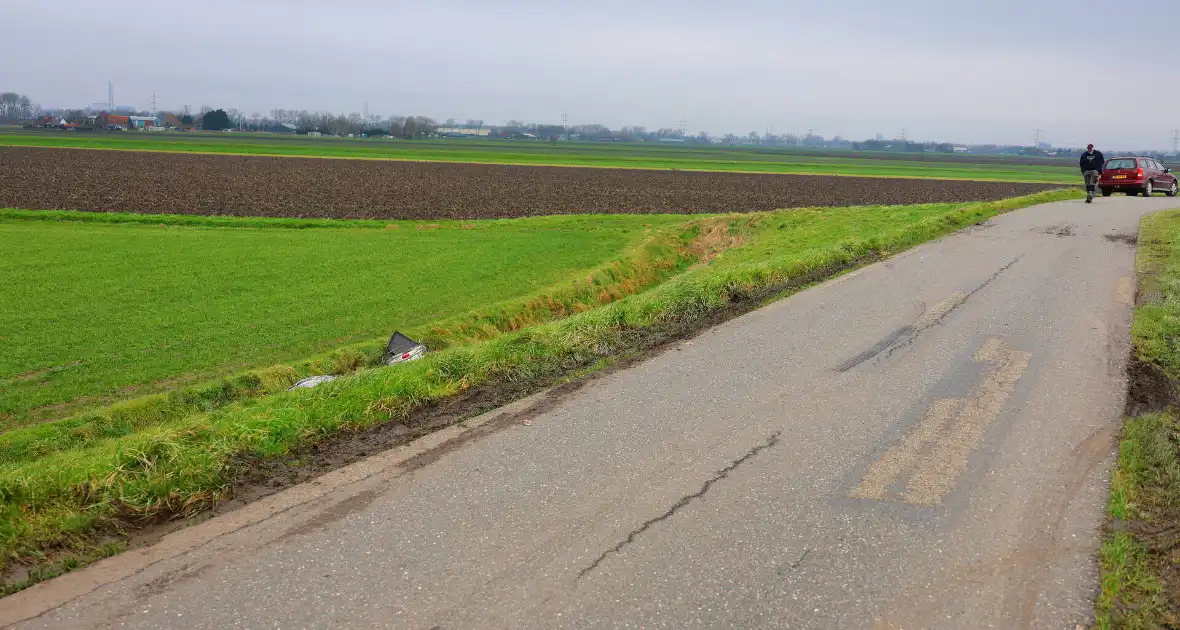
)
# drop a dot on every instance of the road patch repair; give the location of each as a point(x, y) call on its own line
point(935, 451)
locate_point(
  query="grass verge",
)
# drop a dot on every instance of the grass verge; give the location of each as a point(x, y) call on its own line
point(55, 506)
point(1140, 558)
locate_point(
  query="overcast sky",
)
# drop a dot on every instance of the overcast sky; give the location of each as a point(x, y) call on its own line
point(952, 70)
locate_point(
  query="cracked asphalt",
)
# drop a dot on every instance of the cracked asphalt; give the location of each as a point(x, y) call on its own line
point(925, 443)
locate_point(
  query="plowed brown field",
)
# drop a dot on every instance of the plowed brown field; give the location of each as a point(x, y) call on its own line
point(175, 183)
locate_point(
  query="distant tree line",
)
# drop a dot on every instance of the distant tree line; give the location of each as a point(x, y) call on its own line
point(303, 121)
point(17, 107)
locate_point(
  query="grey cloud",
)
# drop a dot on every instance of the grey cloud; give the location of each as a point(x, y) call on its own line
point(961, 71)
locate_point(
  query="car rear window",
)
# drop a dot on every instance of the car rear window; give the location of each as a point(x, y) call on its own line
point(1120, 164)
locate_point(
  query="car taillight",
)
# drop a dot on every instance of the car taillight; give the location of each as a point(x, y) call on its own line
point(1139, 174)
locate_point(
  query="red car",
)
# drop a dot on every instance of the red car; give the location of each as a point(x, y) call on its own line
point(1136, 175)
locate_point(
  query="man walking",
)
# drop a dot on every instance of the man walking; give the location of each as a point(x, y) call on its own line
point(1091, 164)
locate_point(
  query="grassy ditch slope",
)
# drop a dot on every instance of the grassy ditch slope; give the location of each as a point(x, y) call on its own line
point(1141, 556)
point(68, 484)
point(114, 308)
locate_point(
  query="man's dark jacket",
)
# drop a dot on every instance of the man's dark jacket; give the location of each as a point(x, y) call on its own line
point(1092, 161)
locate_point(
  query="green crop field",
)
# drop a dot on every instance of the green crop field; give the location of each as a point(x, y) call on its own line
point(95, 311)
point(620, 155)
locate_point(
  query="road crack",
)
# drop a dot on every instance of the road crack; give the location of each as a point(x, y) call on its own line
point(683, 502)
point(907, 335)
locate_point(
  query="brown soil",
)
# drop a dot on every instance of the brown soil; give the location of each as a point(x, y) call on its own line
point(1125, 239)
point(1149, 390)
point(175, 183)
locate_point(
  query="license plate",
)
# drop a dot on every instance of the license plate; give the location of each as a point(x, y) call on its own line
point(1119, 177)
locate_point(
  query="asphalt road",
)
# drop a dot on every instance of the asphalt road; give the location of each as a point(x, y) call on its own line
point(925, 443)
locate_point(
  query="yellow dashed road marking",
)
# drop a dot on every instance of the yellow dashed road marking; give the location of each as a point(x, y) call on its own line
point(905, 455)
point(1125, 291)
point(935, 451)
point(940, 310)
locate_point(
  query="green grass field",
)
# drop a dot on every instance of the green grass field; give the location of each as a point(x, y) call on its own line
point(112, 297)
point(679, 157)
point(1139, 558)
point(93, 312)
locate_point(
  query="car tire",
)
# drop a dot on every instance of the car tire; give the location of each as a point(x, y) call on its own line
point(1174, 189)
point(1148, 189)
point(1107, 193)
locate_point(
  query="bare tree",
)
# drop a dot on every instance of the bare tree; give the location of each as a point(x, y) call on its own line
point(8, 101)
point(236, 116)
point(397, 126)
point(24, 108)
point(355, 122)
point(15, 106)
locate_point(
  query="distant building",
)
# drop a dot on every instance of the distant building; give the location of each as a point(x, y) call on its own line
point(463, 132)
point(142, 122)
point(960, 149)
point(112, 122)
